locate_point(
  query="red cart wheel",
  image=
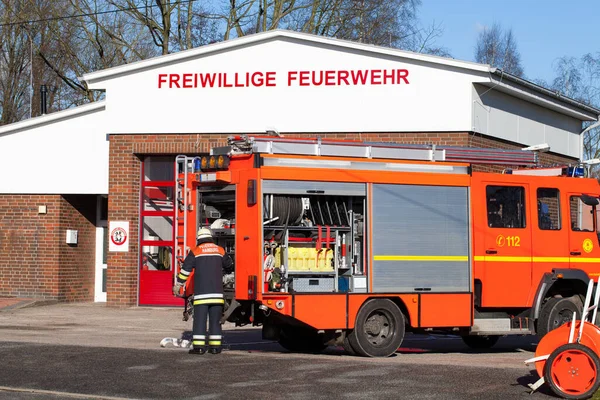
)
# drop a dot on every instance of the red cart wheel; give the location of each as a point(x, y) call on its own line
point(572, 371)
point(560, 336)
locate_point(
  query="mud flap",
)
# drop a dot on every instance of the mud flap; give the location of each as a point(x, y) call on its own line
point(232, 307)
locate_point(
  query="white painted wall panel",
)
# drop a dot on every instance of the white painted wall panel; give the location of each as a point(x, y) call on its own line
point(437, 98)
point(68, 156)
point(510, 118)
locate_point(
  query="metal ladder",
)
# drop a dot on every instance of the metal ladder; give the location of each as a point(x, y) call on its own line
point(340, 148)
point(183, 166)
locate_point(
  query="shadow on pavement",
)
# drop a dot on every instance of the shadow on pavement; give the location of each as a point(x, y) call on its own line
point(531, 379)
point(250, 339)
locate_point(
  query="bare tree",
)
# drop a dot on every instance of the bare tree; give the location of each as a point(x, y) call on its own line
point(54, 43)
point(15, 65)
point(580, 80)
point(498, 47)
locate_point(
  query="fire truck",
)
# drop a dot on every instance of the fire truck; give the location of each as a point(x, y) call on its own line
point(354, 244)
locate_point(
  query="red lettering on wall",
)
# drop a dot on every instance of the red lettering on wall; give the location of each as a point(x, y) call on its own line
point(187, 81)
point(314, 78)
point(343, 76)
point(292, 76)
point(174, 80)
point(225, 84)
point(359, 77)
point(376, 77)
point(403, 74)
point(300, 78)
point(236, 83)
point(389, 75)
point(329, 78)
point(162, 78)
point(304, 78)
point(257, 79)
point(207, 79)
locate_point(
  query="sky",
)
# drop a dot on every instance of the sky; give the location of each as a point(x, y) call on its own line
point(544, 29)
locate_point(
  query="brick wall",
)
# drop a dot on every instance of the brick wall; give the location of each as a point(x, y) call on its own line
point(124, 200)
point(478, 140)
point(36, 261)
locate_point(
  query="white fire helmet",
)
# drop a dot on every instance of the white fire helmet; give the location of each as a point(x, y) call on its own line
point(204, 233)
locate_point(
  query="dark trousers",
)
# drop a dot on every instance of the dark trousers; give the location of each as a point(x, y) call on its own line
point(213, 337)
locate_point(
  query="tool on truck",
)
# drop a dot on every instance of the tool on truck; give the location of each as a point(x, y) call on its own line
point(355, 244)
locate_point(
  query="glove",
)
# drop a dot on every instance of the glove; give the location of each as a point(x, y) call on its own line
point(177, 289)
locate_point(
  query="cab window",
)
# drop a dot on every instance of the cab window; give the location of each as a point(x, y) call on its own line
point(505, 206)
point(548, 204)
point(582, 219)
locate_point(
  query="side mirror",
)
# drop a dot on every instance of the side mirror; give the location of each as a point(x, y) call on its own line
point(589, 200)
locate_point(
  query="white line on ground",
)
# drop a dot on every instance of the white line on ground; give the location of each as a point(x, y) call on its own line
point(62, 394)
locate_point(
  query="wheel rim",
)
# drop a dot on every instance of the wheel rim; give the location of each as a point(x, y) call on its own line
point(573, 372)
point(379, 328)
point(563, 316)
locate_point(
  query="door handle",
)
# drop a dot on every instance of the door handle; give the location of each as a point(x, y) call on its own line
point(491, 252)
point(575, 253)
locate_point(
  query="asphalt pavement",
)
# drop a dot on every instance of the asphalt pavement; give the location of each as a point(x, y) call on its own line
point(90, 351)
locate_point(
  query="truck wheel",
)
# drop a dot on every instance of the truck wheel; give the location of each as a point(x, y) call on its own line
point(347, 346)
point(300, 340)
point(379, 329)
point(480, 342)
point(556, 312)
point(572, 371)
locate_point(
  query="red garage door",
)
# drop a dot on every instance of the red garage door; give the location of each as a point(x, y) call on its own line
point(157, 264)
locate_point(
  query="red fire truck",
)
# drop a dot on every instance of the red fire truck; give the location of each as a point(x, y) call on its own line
point(354, 244)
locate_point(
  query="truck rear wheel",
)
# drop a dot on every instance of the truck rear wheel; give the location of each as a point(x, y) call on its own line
point(300, 340)
point(379, 329)
point(347, 346)
point(556, 312)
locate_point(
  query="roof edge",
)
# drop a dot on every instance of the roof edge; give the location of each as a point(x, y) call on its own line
point(105, 74)
point(540, 89)
point(48, 118)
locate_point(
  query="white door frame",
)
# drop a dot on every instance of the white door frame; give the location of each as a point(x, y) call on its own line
point(100, 267)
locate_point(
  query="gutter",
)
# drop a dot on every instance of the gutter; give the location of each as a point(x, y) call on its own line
point(540, 89)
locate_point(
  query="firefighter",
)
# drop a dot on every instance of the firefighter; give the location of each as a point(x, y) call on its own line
point(208, 261)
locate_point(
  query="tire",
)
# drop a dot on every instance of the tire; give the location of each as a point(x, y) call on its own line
point(300, 340)
point(480, 342)
point(572, 370)
point(556, 312)
point(347, 346)
point(379, 329)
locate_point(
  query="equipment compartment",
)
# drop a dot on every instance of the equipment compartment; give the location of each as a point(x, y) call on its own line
point(313, 238)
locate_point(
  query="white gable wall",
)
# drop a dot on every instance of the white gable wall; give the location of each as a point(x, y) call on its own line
point(506, 117)
point(437, 97)
point(60, 153)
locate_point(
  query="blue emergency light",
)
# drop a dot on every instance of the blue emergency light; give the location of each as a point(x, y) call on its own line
point(196, 164)
point(577, 172)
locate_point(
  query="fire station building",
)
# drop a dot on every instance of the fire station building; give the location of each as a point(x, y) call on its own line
point(87, 194)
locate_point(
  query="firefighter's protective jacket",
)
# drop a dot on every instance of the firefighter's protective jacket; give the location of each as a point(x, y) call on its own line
point(208, 261)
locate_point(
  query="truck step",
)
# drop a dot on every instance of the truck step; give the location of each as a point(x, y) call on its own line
point(502, 326)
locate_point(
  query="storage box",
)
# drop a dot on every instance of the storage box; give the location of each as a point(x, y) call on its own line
point(313, 284)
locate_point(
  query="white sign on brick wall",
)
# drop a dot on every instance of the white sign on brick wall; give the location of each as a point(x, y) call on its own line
point(118, 236)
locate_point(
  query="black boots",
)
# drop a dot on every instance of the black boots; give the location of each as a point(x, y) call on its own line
point(202, 350)
point(198, 350)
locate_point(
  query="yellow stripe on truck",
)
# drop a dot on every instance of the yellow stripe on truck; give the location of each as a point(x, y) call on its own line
point(490, 259)
point(536, 259)
point(421, 258)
